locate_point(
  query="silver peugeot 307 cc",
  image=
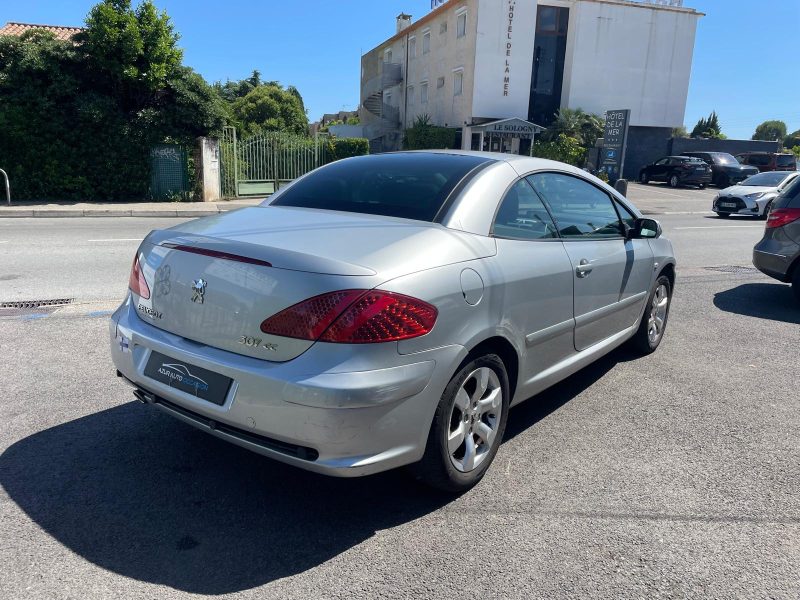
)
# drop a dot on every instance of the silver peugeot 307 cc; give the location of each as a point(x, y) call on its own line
point(387, 310)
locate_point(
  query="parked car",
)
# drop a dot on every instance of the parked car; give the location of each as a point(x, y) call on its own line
point(769, 161)
point(754, 196)
point(778, 252)
point(677, 170)
point(725, 169)
point(387, 310)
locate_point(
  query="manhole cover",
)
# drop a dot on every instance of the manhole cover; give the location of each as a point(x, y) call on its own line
point(732, 269)
point(29, 304)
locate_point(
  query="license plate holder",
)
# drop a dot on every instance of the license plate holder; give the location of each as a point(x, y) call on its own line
point(728, 204)
point(202, 383)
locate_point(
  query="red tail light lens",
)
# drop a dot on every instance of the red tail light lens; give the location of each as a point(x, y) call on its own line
point(137, 282)
point(354, 317)
point(778, 217)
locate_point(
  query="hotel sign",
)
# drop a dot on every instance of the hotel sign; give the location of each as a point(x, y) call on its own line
point(615, 138)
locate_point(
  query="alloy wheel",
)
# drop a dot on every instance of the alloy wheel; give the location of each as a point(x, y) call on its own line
point(474, 419)
point(658, 314)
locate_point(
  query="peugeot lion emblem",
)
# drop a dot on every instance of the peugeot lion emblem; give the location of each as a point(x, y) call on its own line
point(198, 290)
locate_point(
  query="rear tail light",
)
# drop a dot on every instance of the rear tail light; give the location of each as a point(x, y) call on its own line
point(136, 282)
point(778, 217)
point(354, 317)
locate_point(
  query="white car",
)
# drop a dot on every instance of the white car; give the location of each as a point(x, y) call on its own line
point(752, 197)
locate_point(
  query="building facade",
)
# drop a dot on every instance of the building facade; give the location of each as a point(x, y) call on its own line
point(469, 63)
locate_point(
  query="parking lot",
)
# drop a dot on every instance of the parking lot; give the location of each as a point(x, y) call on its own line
point(675, 475)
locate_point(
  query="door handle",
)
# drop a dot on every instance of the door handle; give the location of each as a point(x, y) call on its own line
point(583, 269)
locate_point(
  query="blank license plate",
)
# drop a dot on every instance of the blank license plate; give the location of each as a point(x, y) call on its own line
point(728, 204)
point(193, 380)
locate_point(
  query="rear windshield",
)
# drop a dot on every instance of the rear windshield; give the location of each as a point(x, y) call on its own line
point(790, 197)
point(786, 160)
point(405, 184)
point(768, 179)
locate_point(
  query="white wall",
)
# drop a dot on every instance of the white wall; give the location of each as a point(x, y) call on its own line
point(495, 60)
point(633, 57)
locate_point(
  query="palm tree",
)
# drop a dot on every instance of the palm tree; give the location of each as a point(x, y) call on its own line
point(575, 123)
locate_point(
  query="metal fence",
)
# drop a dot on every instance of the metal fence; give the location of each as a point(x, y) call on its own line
point(169, 174)
point(258, 164)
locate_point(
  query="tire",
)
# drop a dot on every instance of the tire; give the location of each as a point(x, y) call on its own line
point(767, 208)
point(723, 215)
point(643, 178)
point(642, 341)
point(674, 181)
point(796, 282)
point(702, 186)
point(454, 471)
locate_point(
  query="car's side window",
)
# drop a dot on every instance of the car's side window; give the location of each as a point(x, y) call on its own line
point(662, 162)
point(522, 215)
point(581, 210)
point(625, 214)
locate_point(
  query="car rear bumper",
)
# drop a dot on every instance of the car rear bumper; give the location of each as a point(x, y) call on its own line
point(325, 411)
point(695, 178)
point(773, 264)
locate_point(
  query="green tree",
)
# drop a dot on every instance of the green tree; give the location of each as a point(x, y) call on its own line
point(708, 128)
point(270, 108)
point(792, 140)
point(680, 132)
point(770, 131)
point(565, 149)
point(575, 123)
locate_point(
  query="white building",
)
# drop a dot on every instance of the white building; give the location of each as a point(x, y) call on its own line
point(469, 63)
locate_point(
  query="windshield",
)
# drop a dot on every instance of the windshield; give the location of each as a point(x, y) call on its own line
point(408, 185)
point(723, 158)
point(770, 179)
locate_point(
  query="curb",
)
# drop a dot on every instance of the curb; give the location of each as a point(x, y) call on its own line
point(56, 213)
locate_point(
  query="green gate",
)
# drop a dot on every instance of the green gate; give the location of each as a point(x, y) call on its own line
point(257, 165)
point(169, 173)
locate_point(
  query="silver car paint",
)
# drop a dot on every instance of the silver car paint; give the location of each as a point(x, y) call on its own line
point(743, 191)
point(368, 408)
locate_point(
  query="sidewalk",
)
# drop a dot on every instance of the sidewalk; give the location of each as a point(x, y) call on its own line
point(122, 209)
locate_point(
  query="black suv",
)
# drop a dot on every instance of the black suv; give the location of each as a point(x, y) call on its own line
point(778, 252)
point(677, 170)
point(725, 169)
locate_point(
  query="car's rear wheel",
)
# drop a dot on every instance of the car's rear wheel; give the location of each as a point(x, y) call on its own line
point(654, 320)
point(702, 186)
point(673, 181)
point(796, 282)
point(643, 178)
point(467, 427)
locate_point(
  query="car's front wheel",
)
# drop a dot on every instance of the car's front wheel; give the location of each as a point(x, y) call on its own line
point(467, 427)
point(654, 320)
point(767, 208)
point(643, 178)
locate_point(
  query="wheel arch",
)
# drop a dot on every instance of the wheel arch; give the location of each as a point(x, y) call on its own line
point(503, 348)
point(669, 271)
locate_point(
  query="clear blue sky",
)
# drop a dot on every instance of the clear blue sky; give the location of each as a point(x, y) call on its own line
point(745, 60)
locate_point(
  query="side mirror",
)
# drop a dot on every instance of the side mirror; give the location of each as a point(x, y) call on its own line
point(644, 229)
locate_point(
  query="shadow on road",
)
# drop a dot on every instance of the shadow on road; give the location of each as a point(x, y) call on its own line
point(142, 495)
point(772, 301)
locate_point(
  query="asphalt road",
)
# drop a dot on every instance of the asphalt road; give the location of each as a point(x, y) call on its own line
point(671, 476)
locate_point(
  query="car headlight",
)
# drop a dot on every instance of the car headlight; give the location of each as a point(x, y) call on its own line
point(755, 196)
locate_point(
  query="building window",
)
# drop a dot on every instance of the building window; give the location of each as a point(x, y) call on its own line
point(426, 42)
point(410, 94)
point(549, 54)
point(461, 24)
point(443, 27)
point(387, 56)
point(458, 83)
point(440, 83)
point(412, 47)
point(387, 97)
point(423, 92)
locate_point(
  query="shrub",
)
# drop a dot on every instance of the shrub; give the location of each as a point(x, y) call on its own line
point(346, 147)
point(563, 149)
point(424, 136)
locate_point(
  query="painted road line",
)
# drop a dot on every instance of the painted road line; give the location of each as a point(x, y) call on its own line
point(3, 241)
point(723, 227)
point(118, 240)
point(99, 313)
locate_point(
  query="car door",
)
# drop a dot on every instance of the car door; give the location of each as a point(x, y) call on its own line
point(611, 274)
point(658, 170)
point(537, 280)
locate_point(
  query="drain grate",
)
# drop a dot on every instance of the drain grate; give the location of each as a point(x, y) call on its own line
point(29, 304)
point(732, 269)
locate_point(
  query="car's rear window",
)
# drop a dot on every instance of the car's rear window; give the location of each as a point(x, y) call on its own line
point(790, 197)
point(786, 160)
point(409, 185)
